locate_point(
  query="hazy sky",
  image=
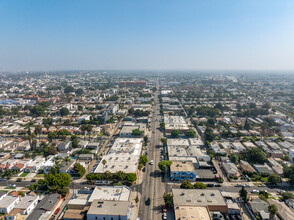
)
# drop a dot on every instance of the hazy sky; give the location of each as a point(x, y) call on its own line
point(159, 34)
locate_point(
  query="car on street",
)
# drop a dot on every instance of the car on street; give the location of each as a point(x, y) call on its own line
point(147, 202)
point(279, 191)
point(247, 185)
point(255, 191)
point(11, 185)
point(218, 185)
point(261, 185)
point(210, 185)
point(151, 162)
point(56, 211)
point(238, 185)
point(164, 210)
point(164, 216)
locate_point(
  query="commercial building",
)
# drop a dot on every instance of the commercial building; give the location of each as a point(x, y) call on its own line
point(211, 199)
point(191, 213)
point(182, 170)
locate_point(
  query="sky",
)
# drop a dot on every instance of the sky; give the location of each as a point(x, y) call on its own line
point(146, 35)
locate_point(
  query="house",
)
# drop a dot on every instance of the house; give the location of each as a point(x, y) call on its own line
point(231, 169)
point(86, 157)
point(83, 144)
point(64, 146)
point(263, 168)
point(36, 164)
point(18, 167)
point(46, 207)
point(24, 207)
point(65, 167)
point(7, 203)
point(83, 117)
point(259, 206)
point(127, 131)
point(245, 166)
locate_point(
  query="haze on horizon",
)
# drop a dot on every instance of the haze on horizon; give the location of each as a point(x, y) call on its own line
point(70, 34)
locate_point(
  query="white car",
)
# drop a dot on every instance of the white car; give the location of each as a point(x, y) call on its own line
point(11, 185)
point(255, 191)
point(151, 162)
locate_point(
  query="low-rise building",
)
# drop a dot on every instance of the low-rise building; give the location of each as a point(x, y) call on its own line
point(182, 170)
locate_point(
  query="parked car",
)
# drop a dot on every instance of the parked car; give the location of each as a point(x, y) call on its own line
point(238, 185)
point(255, 191)
point(210, 185)
point(261, 185)
point(151, 162)
point(218, 185)
point(147, 202)
point(56, 211)
point(247, 185)
point(164, 216)
point(164, 210)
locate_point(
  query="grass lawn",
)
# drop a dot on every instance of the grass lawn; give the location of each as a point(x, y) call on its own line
point(10, 187)
point(265, 179)
point(24, 174)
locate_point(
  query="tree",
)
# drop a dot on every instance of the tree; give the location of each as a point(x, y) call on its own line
point(52, 135)
point(247, 125)
point(90, 177)
point(186, 185)
point(164, 164)
point(146, 139)
point(208, 134)
point(38, 130)
point(120, 175)
point(274, 179)
point(168, 199)
point(162, 125)
point(234, 158)
point(199, 185)
point(79, 169)
point(190, 133)
point(136, 132)
point(69, 89)
point(131, 177)
point(243, 193)
point(175, 133)
point(143, 159)
point(79, 91)
point(287, 195)
point(254, 155)
point(273, 210)
point(64, 112)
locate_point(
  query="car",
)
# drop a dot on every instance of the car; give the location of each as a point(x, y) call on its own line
point(33, 180)
point(164, 210)
point(210, 185)
point(151, 162)
point(239, 217)
point(238, 185)
point(247, 186)
point(255, 191)
point(261, 185)
point(11, 185)
point(147, 202)
point(164, 216)
point(217, 216)
point(279, 191)
point(56, 211)
point(218, 185)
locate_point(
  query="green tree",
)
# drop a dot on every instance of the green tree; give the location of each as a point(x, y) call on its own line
point(254, 155)
point(273, 210)
point(243, 193)
point(79, 169)
point(90, 176)
point(164, 164)
point(143, 159)
point(199, 185)
point(69, 89)
point(131, 177)
point(137, 132)
point(190, 133)
point(79, 91)
point(274, 179)
point(64, 112)
point(119, 175)
point(162, 125)
point(52, 135)
point(186, 185)
point(247, 125)
point(168, 199)
point(208, 134)
point(175, 133)
point(234, 158)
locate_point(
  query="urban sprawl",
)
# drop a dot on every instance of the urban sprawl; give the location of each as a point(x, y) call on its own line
point(118, 145)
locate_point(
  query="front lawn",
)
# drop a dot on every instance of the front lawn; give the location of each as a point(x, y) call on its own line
point(24, 174)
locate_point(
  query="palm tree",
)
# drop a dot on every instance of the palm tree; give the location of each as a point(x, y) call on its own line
point(273, 209)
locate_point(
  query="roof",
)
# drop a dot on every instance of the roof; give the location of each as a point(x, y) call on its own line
point(26, 201)
point(114, 193)
point(182, 166)
point(7, 201)
point(47, 204)
point(190, 212)
point(198, 197)
point(115, 208)
point(258, 205)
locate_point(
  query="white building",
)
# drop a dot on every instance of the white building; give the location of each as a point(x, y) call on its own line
point(8, 203)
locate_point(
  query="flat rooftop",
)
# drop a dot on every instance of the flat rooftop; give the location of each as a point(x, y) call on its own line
point(197, 197)
point(191, 212)
point(116, 208)
point(182, 166)
point(114, 193)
